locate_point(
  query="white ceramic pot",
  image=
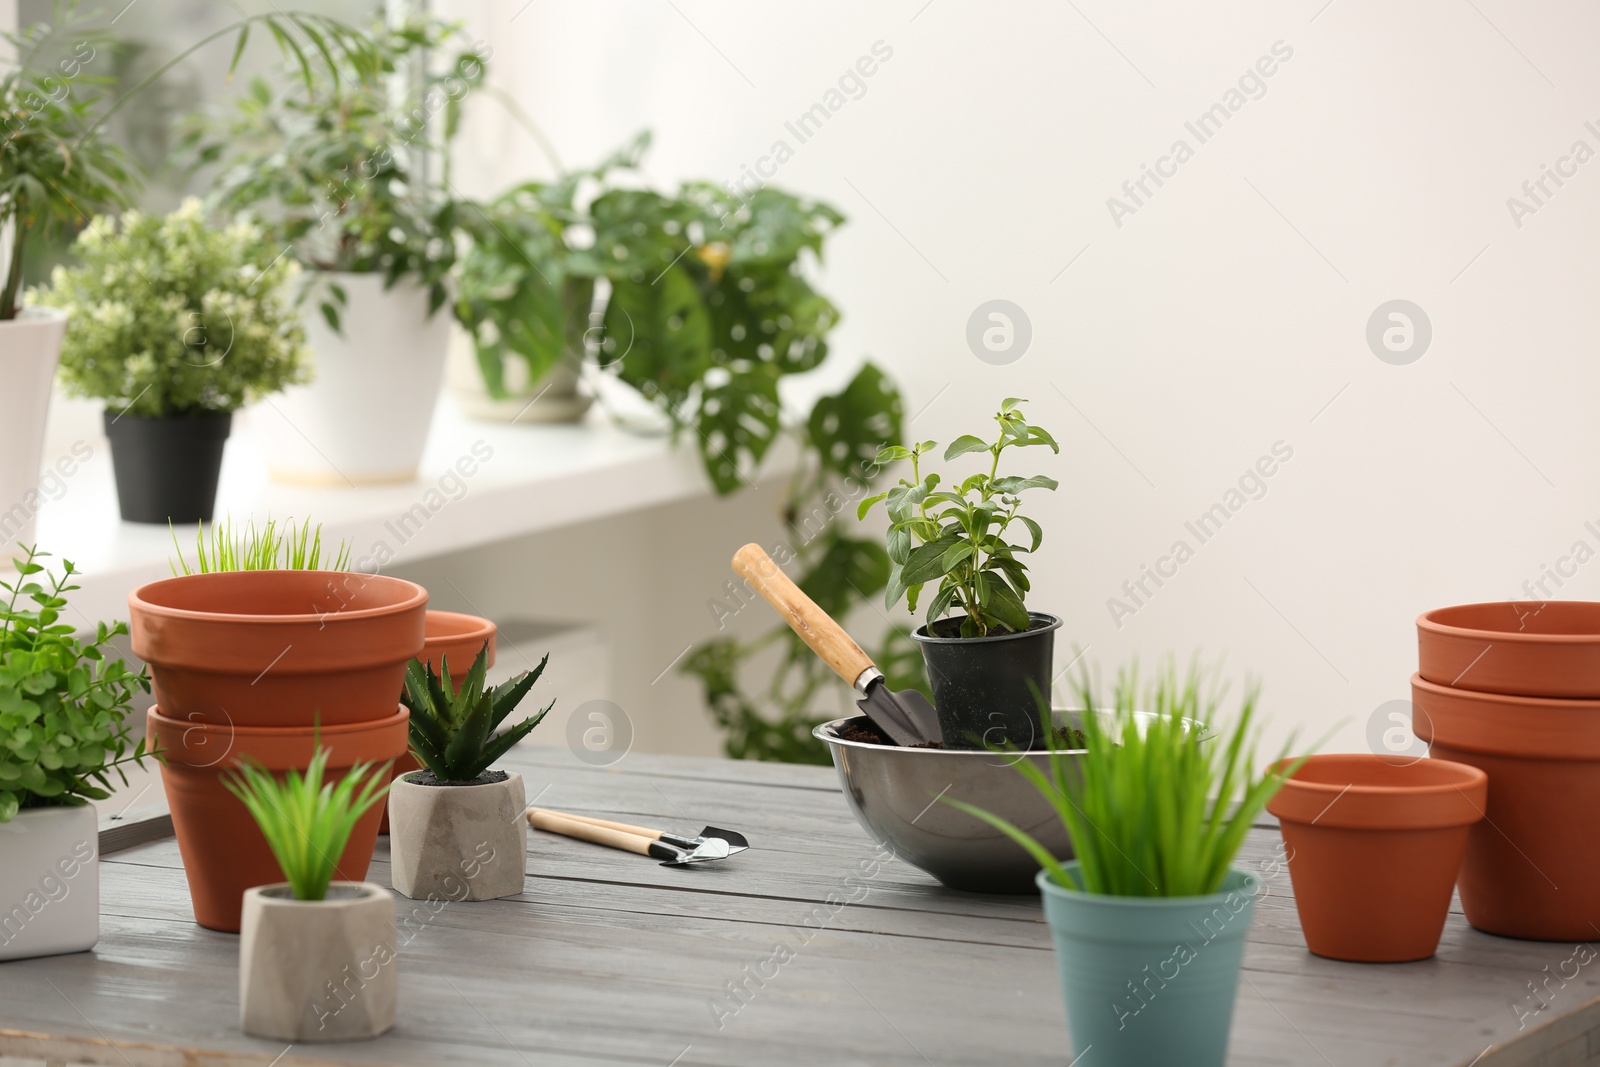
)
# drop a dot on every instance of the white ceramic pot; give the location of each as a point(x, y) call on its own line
point(30, 345)
point(556, 397)
point(364, 418)
point(49, 882)
point(457, 842)
point(317, 970)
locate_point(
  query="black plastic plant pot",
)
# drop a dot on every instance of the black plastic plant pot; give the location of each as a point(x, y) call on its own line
point(987, 689)
point(167, 468)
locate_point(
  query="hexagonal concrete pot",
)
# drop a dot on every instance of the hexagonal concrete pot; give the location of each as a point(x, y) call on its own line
point(49, 882)
point(317, 970)
point(457, 842)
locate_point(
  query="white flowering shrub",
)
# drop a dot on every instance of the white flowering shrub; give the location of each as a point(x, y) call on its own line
point(174, 315)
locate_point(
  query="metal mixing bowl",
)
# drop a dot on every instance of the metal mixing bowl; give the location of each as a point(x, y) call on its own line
point(896, 794)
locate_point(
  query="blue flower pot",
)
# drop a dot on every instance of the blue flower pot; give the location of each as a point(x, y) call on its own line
point(1150, 980)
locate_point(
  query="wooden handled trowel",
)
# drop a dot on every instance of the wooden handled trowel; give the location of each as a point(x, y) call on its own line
point(905, 716)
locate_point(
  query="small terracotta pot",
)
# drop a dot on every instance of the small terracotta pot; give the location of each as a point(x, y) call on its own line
point(1531, 869)
point(223, 850)
point(1519, 648)
point(458, 638)
point(278, 648)
point(1374, 846)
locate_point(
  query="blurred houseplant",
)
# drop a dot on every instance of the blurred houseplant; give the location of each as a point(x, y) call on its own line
point(64, 703)
point(1150, 918)
point(175, 323)
point(298, 933)
point(340, 171)
point(990, 667)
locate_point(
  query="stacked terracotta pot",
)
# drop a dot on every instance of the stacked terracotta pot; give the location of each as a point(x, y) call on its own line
point(266, 665)
point(1514, 689)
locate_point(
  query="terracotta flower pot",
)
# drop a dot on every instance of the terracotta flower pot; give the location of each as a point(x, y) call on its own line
point(1520, 648)
point(223, 851)
point(1531, 868)
point(459, 638)
point(278, 648)
point(1374, 846)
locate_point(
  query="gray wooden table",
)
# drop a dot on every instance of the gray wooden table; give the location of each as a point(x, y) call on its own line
point(787, 955)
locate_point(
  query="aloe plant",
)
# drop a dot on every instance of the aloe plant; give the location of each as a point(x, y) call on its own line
point(452, 729)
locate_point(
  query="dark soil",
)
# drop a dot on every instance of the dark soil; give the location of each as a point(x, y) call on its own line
point(862, 731)
point(427, 778)
point(951, 627)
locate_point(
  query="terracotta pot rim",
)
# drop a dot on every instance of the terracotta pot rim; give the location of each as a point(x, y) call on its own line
point(1457, 800)
point(485, 628)
point(1468, 775)
point(1427, 623)
point(417, 598)
point(344, 729)
point(1573, 704)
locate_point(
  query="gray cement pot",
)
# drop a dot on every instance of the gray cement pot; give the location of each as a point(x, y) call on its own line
point(317, 970)
point(457, 842)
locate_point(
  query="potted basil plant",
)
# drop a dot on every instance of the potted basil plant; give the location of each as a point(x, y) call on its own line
point(64, 703)
point(458, 818)
point(175, 323)
point(1149, 920)
point(316, 957)
point(990, 664)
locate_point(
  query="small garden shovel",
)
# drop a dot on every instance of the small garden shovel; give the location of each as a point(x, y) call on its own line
point(737, 842)
point(904, 715)
point(712, 848)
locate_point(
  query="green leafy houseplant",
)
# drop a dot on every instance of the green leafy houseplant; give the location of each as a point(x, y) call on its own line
point(63, 701)
point(218, 547)
point(452, 729)
point(172, 316)
point(957, 535)
point(306, 820)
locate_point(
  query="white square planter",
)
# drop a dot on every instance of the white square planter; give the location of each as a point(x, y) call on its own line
point(49, 882)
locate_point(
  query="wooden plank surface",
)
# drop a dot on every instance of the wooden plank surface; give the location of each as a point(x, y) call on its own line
point(801, 951)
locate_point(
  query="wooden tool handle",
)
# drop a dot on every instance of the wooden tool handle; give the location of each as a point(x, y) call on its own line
point(583, 831)
point(653, 835)
point(815, 627)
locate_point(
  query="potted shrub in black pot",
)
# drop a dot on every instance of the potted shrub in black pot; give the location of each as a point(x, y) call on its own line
point(990, 665)
point(175, 323)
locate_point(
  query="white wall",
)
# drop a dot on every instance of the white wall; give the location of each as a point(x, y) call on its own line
point(1223, 316)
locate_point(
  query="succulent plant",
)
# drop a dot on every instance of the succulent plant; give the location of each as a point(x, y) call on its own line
point(452, 729)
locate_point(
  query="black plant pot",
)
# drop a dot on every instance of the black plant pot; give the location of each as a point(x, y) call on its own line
point(167, 469)
point(987, 689)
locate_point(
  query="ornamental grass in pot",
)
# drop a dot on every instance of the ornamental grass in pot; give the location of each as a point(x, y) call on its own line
point(457, 820)
point(316, 957)
point(989, 667)
point(175, 323)
point(63, 708)
point(1150, 920)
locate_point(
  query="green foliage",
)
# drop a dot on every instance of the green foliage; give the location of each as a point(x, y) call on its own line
point(452, 730)
point(171, 315)
point(293, 548)
point(57, 167)
point(308, 821)
point(1155, 808)
point(334, 167)
point(957, 535)
point(63, 702)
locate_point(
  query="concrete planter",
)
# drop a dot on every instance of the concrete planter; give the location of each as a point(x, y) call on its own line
point(49, 882)
point(457, 842)
point(29, 349)
point(317, 970)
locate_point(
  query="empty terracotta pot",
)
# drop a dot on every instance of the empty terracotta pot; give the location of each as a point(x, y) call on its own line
point(1545, 648)
point(458, 638)
point(1531, 867)
point(278, 648)
point(1374, 846)
point(223, 851)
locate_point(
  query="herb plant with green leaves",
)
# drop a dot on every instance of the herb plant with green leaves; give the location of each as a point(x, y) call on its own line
point(957, 535)
point(219, 547)
point(452, 729)
point(306, 820)
point(1156, 806)
point(64, 702)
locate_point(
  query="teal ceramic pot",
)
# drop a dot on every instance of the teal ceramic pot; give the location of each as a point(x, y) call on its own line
point(1150, 980)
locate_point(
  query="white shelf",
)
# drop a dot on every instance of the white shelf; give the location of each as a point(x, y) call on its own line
point(537, 478)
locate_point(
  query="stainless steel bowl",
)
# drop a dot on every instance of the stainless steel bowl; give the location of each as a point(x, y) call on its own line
point(896, 794)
